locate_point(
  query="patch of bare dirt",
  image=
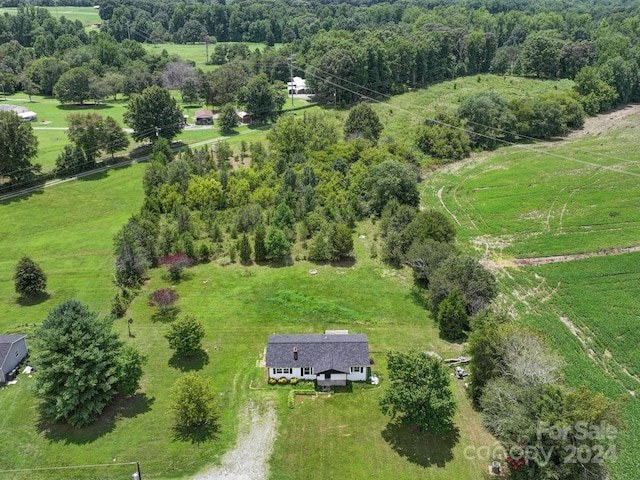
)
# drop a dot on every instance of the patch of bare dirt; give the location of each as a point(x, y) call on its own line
point(249, 459)
point(601, 124)
point(576, 256)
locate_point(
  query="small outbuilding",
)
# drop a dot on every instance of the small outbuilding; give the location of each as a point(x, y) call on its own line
point(204, 117)
point(13, 349)
point(331, 359)
point(245, 118)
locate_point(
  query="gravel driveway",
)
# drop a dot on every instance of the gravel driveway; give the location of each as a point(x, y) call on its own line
point(249, 459)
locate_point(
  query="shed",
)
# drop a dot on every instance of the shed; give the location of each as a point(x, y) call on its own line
point(13, 349)
point(204, 117)
point(244, 117)
point(329, 358)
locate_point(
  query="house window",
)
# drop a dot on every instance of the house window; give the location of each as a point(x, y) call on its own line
point(307, 370)
point(357, 369)
point(282, 370)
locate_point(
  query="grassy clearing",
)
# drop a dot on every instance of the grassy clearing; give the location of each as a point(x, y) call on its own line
point(402, 114)
point(69, 230)
point(87, 15)
point(542, 200)
point(196, 52)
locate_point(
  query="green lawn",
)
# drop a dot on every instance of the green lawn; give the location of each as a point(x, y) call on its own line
point(87, 15)
point(539, 200)
point(68, 230)
point(195, 52)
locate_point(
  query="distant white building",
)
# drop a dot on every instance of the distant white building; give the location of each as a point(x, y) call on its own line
point(298, 85)
point(24, 113)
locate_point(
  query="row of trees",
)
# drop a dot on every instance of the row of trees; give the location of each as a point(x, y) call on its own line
point(517, 383)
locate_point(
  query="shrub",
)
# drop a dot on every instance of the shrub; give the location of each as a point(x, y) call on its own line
point(293, 381)
point(282, 381)
point(119, 304)
point(272, 381)
point(291, 399)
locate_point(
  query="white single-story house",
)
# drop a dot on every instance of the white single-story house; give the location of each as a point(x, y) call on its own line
point(298, 85)
point(28, 116)
point(329, 359)
point(13, 349)
point(204, 117)
point(24, 113)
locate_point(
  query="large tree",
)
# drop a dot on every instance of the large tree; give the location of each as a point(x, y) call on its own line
point(476, 285)
point(489, 119)
point(74, 86)
point(85, 130)
point(389, 180)
point(419, 391)
point(30, 280)
point(154, 114)
point(78, 363)
point(114, 138)
point(363, 121)
point(19, 146)
point(261, 99)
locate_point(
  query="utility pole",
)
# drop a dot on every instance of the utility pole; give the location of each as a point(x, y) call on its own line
point(128, 31)
point(291, 85)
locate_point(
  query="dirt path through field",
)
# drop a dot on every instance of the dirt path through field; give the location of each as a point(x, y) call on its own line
point(576, 256)
point(603, 123)
point(249, 458)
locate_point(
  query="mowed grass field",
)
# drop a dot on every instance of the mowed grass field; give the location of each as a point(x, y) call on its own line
point(50, 129)
point(403, 114)
point(577, 196)
point(87, 15)
point(68, 230)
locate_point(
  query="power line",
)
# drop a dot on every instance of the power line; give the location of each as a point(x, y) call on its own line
point(70, 467)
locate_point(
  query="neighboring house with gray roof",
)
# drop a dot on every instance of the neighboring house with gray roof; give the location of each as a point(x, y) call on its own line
point(13, 348)
point(329, 358)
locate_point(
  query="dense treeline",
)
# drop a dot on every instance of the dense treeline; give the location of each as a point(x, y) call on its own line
point(345, 51)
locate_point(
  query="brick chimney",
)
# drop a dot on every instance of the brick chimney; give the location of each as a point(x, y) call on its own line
point(295, 353)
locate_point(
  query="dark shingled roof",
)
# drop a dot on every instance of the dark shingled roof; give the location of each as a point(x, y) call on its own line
point(323, 352)
point(5, 344)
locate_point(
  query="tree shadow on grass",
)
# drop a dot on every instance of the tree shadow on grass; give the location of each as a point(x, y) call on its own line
point(192, 362)
point(35, 300)
point(196, 435)
point(120, 406)
point(423, 449)
point(166, 316)
point(84, 106)
point(419, 297)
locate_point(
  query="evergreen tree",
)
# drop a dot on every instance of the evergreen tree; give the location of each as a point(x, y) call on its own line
point(79, 365)
point(452, 317)
point(30, 280)
point(260, 252)
point(245, 250)
point(228, 119)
